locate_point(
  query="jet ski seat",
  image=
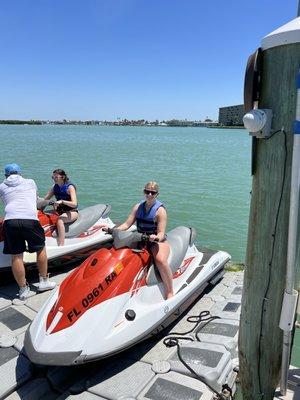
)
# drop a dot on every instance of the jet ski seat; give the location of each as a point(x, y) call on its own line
point(86, 218)
point(179, 240)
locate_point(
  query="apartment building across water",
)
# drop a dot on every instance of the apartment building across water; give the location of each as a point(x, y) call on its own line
point(232, 115)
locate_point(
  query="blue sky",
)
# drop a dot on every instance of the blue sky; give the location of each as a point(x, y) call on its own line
point(109, 59)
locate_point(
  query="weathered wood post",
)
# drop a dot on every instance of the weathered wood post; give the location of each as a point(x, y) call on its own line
point(260, 341)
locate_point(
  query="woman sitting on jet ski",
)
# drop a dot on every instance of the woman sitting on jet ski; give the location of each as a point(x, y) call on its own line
point(151, 218)
point(66, 202)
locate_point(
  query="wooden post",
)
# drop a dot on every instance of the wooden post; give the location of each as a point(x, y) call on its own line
point(260, 341)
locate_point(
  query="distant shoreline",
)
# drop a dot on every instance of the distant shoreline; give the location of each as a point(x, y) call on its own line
point(227, 126)
point(172, 123)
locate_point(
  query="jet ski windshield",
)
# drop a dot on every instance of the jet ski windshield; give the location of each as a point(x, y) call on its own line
point(127, 239)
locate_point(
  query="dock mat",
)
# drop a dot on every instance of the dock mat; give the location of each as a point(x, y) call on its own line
point(7, 354)
point(222, 329)
point(163, 389)
point(207, 358)
point(13, 319)
point(238, 290)
point(232, 307)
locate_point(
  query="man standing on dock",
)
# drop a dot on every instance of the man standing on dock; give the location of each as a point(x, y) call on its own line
point(21, 228)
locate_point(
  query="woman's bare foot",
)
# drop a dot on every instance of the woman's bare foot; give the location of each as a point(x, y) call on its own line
point(169, 295)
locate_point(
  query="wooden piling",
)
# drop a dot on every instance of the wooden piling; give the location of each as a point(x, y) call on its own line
point(260, 340)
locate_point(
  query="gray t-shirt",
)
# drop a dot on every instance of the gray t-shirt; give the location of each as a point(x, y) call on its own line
point(19, 197)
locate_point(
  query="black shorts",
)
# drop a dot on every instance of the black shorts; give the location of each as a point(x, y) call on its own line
point(19, 231)
point(62, 208)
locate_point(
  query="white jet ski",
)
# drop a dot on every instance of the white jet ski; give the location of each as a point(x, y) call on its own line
point(116, 299)
point(82, 236)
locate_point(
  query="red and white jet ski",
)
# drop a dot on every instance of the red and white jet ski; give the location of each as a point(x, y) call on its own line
point(82, 236)
point(116, 299)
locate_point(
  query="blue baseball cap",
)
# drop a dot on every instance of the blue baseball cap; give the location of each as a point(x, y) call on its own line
point(12, 168)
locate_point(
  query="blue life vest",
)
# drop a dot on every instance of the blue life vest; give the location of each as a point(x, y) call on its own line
point(61, 192)
point(145, 221)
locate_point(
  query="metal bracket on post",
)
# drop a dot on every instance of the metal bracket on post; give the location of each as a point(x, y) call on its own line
point(288, 310)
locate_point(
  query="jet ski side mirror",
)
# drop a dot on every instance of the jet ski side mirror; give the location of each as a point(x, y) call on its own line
point(193, 235)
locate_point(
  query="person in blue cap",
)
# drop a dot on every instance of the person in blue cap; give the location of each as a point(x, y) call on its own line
point(21, 225)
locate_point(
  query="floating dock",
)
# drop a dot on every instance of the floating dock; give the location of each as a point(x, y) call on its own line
point(149, 370)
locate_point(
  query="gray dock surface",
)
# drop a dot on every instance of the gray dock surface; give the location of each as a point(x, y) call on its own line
point(149, 370)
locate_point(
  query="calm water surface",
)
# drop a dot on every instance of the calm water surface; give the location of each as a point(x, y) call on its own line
point(204, 174)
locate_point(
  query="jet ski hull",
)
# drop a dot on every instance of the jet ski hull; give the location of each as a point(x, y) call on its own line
point(81, 328)
point(80, 245)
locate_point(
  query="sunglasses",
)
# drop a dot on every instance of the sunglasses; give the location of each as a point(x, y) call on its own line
point(153, 192)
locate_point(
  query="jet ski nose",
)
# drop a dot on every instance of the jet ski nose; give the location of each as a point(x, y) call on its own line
point(49, 358)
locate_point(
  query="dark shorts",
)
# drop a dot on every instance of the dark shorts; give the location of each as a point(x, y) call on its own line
point(62, 208)
point(19, 231)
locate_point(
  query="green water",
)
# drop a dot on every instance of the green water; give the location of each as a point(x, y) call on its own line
point(204, 174)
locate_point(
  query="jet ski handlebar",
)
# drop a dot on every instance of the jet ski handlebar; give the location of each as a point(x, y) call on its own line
point(127, 238)
point(42, 203)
